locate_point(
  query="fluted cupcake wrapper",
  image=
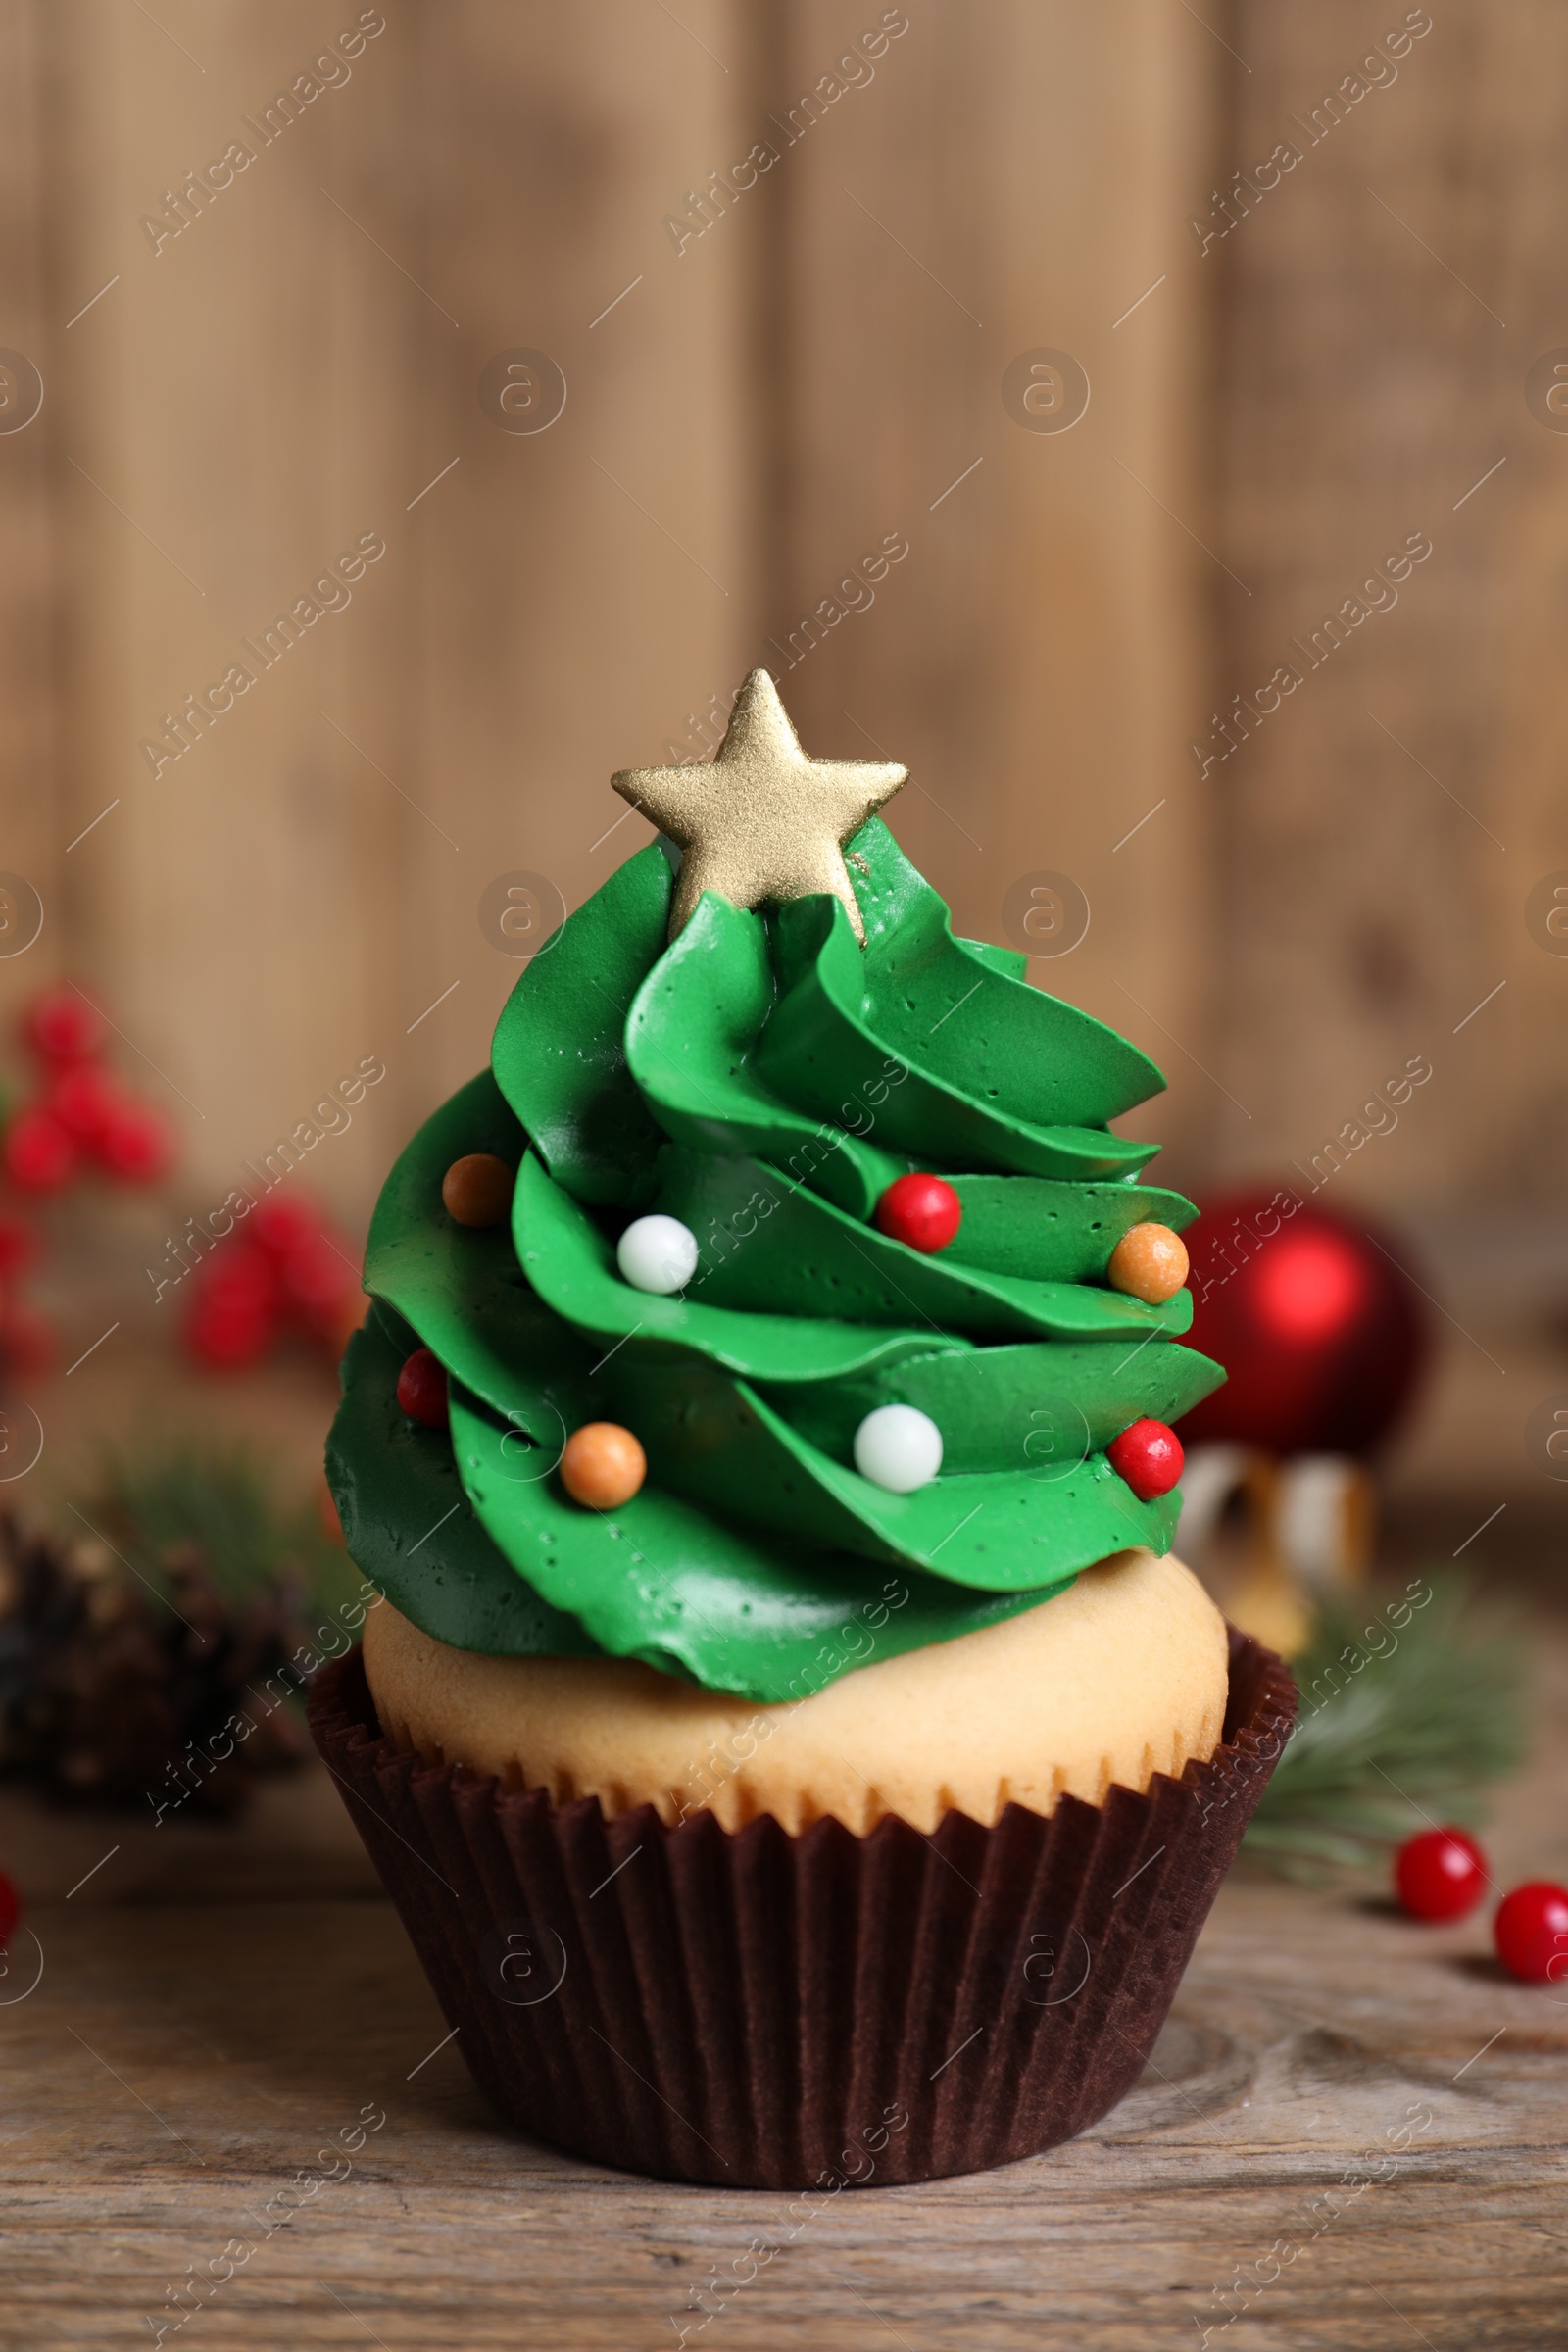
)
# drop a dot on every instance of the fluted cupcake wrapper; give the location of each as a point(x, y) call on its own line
point(754, 2009)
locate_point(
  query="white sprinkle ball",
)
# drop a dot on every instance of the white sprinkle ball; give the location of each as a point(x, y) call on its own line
point(657, 1253)
point(899, 1448)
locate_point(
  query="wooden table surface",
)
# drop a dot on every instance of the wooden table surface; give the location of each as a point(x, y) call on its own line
point(217, 2005)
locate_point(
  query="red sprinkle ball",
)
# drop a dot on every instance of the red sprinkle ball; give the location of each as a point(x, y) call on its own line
point(423, 1389)
point(1149, 1456)
point(1532, 1933)
point(920, 1212)
point(1439, 1875)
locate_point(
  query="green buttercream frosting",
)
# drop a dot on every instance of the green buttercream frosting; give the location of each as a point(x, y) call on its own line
point(763, 1078)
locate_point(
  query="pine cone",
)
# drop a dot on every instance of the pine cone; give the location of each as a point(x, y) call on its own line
point(113, 1696)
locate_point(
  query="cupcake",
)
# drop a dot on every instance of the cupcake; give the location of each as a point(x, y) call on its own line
point(791, 1744)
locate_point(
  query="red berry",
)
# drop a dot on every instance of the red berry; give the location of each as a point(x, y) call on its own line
point(423, 1389)
point(134, 1145)
point(233, 1316)
point(285, 1224)
point(1532, 1932)
point(227, 1335)
point(84, 1099)
point(920, 1212)
point(239, 1276)
point(1149, 1456)
point(61, 1026)
point(39, 1153)
point(1439, 1875)
point(9, 1909)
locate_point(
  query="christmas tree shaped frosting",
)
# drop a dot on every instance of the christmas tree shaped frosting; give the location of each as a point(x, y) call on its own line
point(738, 1061)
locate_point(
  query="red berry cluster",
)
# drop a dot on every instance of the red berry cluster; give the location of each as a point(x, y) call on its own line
point(283, 1269)
point(1441, 1875)
point(82, 1114)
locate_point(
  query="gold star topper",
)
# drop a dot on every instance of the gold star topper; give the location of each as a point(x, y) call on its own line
point(761, 820)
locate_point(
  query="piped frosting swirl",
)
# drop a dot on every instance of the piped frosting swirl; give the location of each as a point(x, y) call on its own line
point(763, 1079)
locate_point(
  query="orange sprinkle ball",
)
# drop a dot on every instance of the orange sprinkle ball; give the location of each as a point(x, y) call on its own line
point(1148, 1262)
point(602, 1465)
point(476, 1191)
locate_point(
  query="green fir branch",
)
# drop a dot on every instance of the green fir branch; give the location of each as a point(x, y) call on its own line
point(1401, 1726)
point(226, 1503)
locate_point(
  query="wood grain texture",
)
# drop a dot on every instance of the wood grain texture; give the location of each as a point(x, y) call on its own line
point(1381, 833)
point(35, 844)
point(1012, 179)
point(218, 443)
point(166, 2083)
point(763, 381)
point(578, 591)
point(299, 365)
point(747, 417)
point(184, 2060)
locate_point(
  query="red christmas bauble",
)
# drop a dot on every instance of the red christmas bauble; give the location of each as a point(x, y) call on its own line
point(1321, 1331)
point(423, 1389)
point(1439, 1875)
point(39, 1153)
point(61, 1026)
point(134, 1143)
point(1149, 1456)
point(9, 1909)
point(921, 1211)
point(1532, 1932)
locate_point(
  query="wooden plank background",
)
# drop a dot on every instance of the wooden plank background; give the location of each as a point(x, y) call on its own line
point(757, 411)
point(1034, 655)
point(27, 711)
point(1380, 836)
point(747, 417)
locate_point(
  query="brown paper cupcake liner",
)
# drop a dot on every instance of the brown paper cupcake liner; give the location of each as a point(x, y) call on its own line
point(753, 2009)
